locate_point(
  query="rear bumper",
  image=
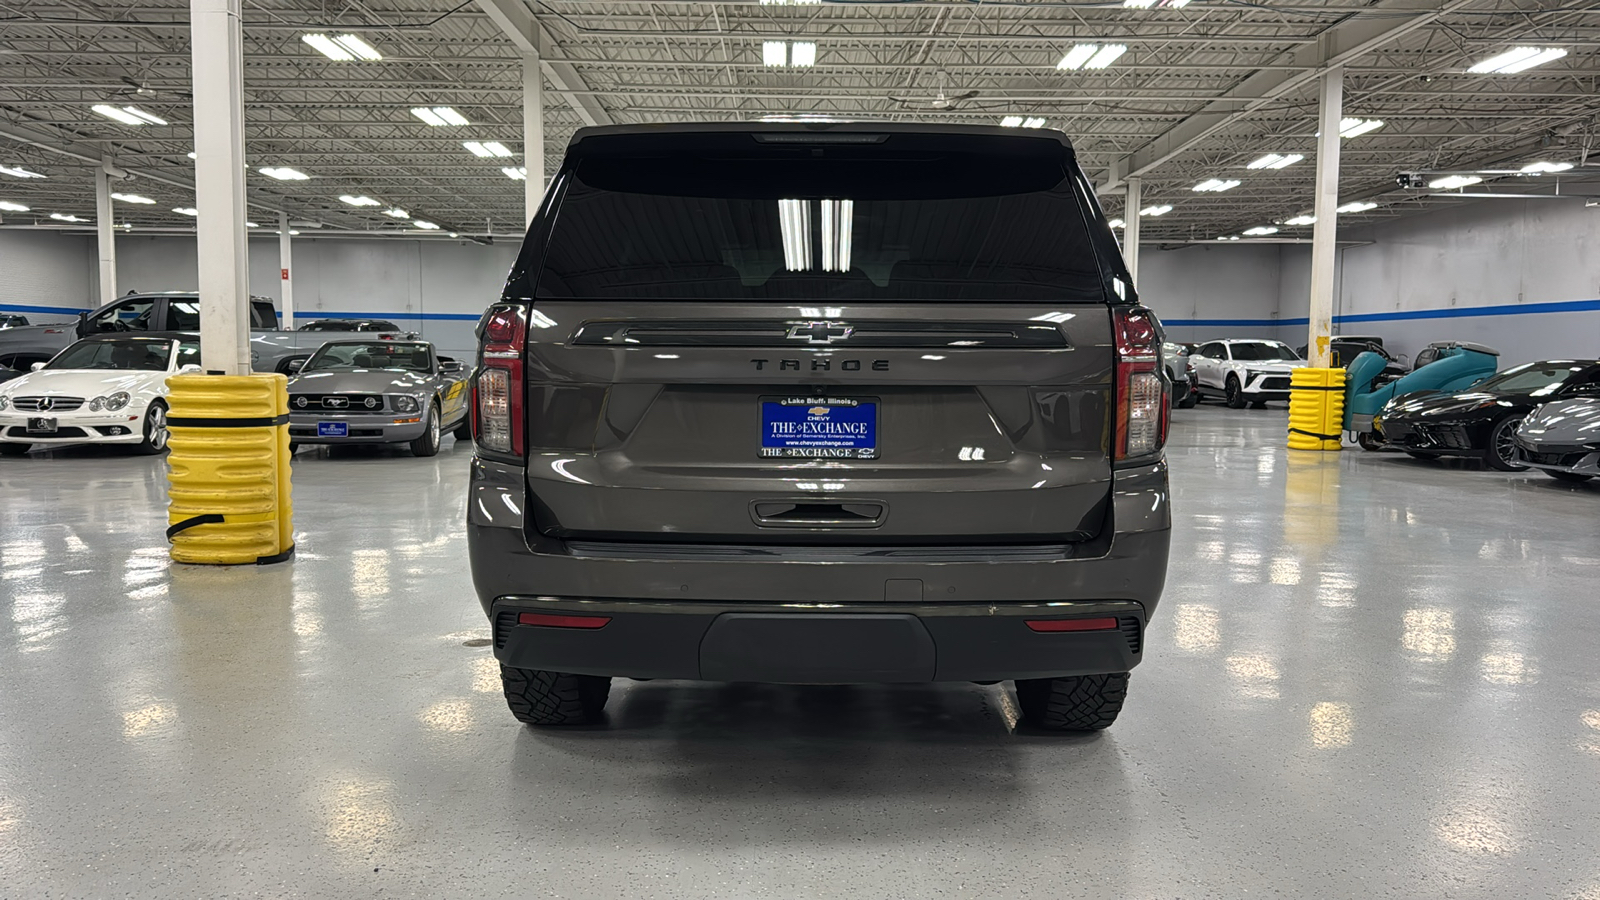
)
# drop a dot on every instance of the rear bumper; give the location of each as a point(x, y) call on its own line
point(684, 610)
point(363, 429)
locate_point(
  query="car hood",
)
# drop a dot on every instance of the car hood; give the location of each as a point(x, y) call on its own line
point(85, 382)
point(1434, 406)
point(1564, 422)
point(359, 381)
point(1282, 365)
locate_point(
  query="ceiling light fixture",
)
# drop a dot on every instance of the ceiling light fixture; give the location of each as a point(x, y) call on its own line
point(128, 115)
point(1356, 207)
point(1162, 4)
point(1077, 56)
point(251, 225)
point(439, 116)
point(18, 172)
point(362, 200)
point(284, 173)
point(774, 53)
point(794, 228)
point(1215, 185)
point(1020, 122)
point(1354, 127)
point(1517, 59)
point(1301, 220)
point(63, 217)
point(1276, 161)
point(788, 2)
point(132, 198)
point(186, 211)
point(1533, 168)
point(1107, 55)
point(8, 206)
point(487, 148)
point(516, 173)
point(425, 225)
point(803, 54)
point(397, 213)
point(1261, 231)
point(1117, 223)
point(1451, 182)
point(1158, 210)
point(342, 47)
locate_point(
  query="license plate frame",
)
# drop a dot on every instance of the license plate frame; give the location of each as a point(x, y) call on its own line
point(839, 427)
point(333, 429)
point(45, 425)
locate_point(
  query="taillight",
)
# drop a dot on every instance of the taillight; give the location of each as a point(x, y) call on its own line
point(497, 393)
point(1142, 403)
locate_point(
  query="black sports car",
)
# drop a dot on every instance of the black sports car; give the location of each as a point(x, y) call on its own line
point(1483, 422)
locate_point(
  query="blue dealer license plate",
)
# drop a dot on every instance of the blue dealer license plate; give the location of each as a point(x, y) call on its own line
point(819, 428)
point(333, 429)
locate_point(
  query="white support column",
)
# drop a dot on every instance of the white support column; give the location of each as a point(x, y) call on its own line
point(105, 227)
point(285, 267)
point(532, 133)
point(1130, 231)
point(216, 37)
point(1323, 234)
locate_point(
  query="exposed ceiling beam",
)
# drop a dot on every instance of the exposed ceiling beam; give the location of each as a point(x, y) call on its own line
point(529, 36)
point(1352, 37)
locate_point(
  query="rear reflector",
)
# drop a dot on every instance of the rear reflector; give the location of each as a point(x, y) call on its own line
point(551, 620)
point(1107, 624)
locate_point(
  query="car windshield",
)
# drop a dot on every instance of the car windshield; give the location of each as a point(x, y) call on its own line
point(1262, 351)
point(140, 356)
point(846, 225)
point(412, 357)
point(1531, 378)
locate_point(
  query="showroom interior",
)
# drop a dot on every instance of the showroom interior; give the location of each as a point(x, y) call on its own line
point(1372, 668)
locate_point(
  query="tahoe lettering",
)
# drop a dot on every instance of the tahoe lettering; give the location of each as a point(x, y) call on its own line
point(847, 365)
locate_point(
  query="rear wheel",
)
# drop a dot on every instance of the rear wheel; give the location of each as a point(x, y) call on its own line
point(1574, 477)
point(155, 430)
point(428, 443)
point(10, 449)
point(1235, 394)
point(1190, 399)
point(538, 697)
point(1501, 453)
point(1369, 440)
point(1077, 703)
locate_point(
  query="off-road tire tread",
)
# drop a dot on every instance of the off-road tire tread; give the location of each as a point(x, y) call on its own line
point(539, 697)
point(1079, 703)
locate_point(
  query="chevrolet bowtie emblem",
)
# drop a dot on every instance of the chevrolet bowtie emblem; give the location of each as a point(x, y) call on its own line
point(819, 332)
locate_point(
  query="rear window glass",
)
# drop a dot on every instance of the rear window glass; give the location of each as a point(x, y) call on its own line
point(843, 226)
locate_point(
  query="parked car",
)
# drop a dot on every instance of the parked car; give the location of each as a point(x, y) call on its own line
point(1180, 370)
point(350, 325)
point(10, 321)
point(1562, 438)
point(101, 390)
point(1454, 367)
point(378, 392)
point(1482, 422)
point(271, 348)
point(1245, 371)
point(730, 430)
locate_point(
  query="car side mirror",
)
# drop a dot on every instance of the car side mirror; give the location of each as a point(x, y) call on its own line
point(36, 367)
point(82, 329)
point(187, 368)
point(293, 366)
point(451, 366)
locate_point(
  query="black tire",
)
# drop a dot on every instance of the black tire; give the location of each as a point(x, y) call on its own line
point(428, 443)
point(537, 697)
point(293, 448)
point(1235, 394)
point(1421, 454)
point(1078, 703)
point(1501, 452)
point(1573, 477)
point(463, 431)
point(1369, 440)
point(155, 430)
point(1190, 399)
point(11, 449)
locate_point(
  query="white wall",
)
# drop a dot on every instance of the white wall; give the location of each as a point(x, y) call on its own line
point(43, 271)
point(1203, 292)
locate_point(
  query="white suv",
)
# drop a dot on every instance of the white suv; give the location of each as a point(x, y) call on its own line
point(1245, 371)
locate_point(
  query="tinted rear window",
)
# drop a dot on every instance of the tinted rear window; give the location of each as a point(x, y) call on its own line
point(835, 224)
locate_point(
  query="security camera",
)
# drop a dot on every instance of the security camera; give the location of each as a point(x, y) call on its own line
point(1411, 180)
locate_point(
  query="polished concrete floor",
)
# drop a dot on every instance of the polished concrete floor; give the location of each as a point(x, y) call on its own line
point(1370, 677)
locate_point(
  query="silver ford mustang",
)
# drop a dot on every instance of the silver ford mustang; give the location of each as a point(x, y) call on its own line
point(1562, 439)
point(378, 392)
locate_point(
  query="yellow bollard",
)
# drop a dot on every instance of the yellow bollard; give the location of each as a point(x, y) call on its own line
point(230, 488)
point(1316, 409)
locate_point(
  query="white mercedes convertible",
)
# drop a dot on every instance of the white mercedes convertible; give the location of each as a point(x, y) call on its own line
point(101, 390)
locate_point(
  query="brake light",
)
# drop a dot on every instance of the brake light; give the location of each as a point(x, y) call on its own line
point(552, 620)
point(1142, 404)
point(497, 408)
point(1106, 624)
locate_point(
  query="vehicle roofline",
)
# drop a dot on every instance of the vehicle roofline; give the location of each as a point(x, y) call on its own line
point(843, 127)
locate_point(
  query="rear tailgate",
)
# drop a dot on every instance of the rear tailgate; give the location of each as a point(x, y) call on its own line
point(943, 423)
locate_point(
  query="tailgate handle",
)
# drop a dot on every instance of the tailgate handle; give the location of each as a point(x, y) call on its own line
point(808, 514)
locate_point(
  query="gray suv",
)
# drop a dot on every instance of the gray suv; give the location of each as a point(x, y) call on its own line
point(819, 404)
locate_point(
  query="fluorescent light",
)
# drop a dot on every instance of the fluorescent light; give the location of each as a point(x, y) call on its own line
point(425, 226)
point(1301, 220)
point(362, 200)
point(1356, 207)
point(327, 47)
point(284, 173)
point(1033, 122)
point(186, 211)
point(498, 149)
point(8, 206)
point(123, 116)
point(1451, 182)
point(144, 116)
point(1353, 127)
point(1117, 223)
point(1158, 210)
point(838, 225)
point(18, 172)
point(1261, 231)
point(63, 217)
point(439, 116)
point(342, 47)
point(487, 148)
point(193, 155)
point(359, 47)
point(251, 225)
point(1275, 161)
point(132, 198)
point(803, 53)
point(774, 53)
point(397, 213)
point(1011, 122)
point(794, 223)
point(516, 173)
point(1107, 55)
point(1077, 56)
point(1517, 59)
point(1215, 185)
point(1533, 168)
